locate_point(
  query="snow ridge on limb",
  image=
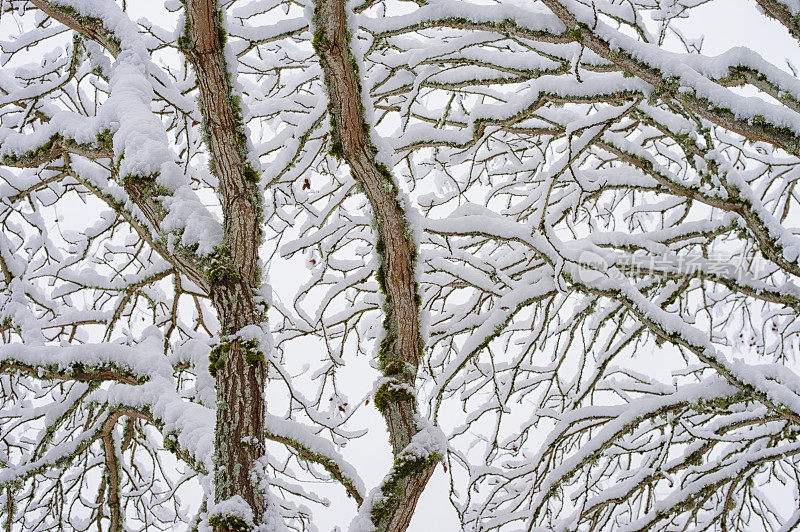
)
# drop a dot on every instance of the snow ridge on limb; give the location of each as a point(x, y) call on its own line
point(670, 75)
point(126, 127)
point(87, 362)
point(401, 348)
point(784, 12)
point(316, 449)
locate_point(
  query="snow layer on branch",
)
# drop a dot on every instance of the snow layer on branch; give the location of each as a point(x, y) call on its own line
point(624, 415)
point(786, 238)
point(143, 360)
point(259, 333)
point(427, 442)
point(526, 96)
point(236, 506)
point(533, 18)
point(726, 470)
point(140, 137)
point(25, 466)
point(191, 424)
point(199, 226)
point(305, 436)
point(779, 383)
point(692, 71)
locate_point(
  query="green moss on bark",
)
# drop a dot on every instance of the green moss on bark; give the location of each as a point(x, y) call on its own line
point(229, 523)
point(250, 348)
point(392, 489)
point(393, 391)
point(219, 266)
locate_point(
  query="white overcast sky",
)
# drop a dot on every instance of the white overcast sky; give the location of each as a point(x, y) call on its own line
point(723, 24)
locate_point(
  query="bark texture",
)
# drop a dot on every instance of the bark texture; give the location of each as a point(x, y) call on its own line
point(233, 271)
point(399, 353)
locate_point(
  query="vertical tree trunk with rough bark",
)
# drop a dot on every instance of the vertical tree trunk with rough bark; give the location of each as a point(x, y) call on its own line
point(400, 350)
point(233, 270)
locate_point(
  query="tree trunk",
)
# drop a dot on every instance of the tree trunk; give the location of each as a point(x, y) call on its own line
point(400, 350)
point(239, 435)
point(233, 268)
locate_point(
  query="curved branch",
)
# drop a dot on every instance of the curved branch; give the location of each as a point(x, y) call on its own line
point(400, 349)
point(325, 461)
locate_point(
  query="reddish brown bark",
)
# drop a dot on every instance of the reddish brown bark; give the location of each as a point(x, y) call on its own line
point(240, 382)
point(399, 356)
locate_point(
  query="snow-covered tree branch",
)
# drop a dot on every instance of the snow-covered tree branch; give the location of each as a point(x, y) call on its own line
point(543, 252)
